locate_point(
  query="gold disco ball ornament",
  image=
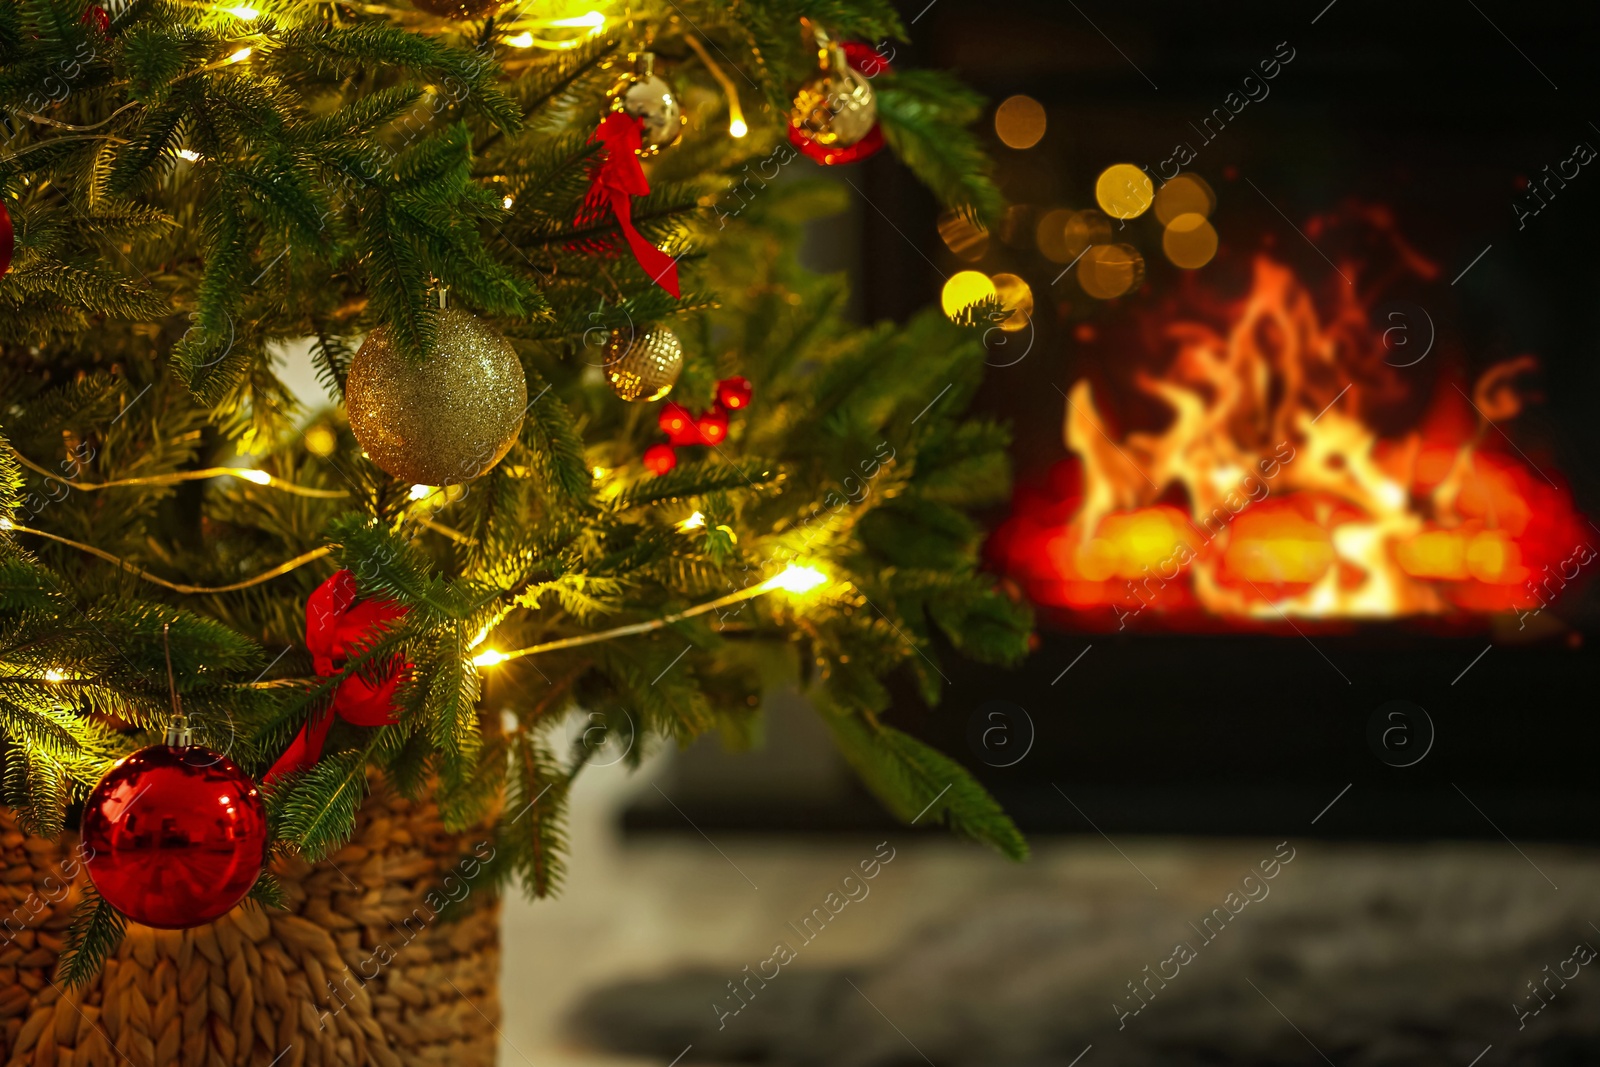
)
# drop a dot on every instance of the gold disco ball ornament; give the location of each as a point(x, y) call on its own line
point(644, 366)
point(643, 94)
point(459, 9)
point(443, 421)
point(836, 106)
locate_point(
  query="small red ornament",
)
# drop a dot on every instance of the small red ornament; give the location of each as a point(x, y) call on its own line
point(176, 836)
point(869, 62)
point(339, 625)
point(660, 459)
point(676, 422)
point(8, 239)
point(734, 393)
point(96, 16)
point(713, 426)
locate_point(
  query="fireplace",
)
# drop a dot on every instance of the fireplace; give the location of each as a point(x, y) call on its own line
point(1266, 489)
point(1310, 530)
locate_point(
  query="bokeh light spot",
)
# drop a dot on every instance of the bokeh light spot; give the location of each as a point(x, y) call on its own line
point(1017, 297)
point(963, 237)
point(1020, 121)
point(1189, 241)
point(1183, 195)
point(1108, 271)
point(1124, 191)
point(964, 288)
point(1051, 235)
point(1086, 228)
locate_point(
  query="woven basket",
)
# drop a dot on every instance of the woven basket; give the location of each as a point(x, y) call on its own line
point(253, 988)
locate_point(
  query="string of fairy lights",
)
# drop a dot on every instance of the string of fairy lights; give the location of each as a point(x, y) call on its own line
point(797, 579)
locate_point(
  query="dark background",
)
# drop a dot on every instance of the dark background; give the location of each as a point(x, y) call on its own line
point(1427, 109)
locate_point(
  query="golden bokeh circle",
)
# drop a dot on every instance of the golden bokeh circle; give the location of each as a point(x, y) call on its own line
point(965, 288)
point(1108, 271)
point(1016, 296)
point(1124, 191)
point(1050, 235)
point(1086, 228)
point(1185, 194)
point(1189, 241)
point(1019, 121)
point(963, 237)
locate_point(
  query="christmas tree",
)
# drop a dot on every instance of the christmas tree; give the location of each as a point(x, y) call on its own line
point(193, 192)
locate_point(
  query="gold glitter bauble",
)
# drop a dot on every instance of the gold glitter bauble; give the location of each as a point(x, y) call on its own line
point(643, 367)
point(446, 420)
point(642, 94)
point(836, 106)
point(459, 9)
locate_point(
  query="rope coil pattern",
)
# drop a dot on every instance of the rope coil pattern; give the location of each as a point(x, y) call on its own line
point(254, 986)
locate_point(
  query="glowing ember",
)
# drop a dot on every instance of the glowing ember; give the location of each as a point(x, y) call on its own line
point(1269, 492)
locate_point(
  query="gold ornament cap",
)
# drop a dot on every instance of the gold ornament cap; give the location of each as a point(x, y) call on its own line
point(643, 367)
point(446, 420)
point(643, 94)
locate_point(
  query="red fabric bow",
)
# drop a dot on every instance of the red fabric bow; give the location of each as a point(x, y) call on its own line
point(337, 627)
point(615, 181)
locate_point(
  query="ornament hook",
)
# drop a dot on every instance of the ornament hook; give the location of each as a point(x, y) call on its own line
point(178, 733)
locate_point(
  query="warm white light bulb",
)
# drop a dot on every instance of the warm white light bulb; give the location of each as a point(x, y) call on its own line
point(259, 477)
point(693, 522)
point(796, 579)
point(489, 657)
point(521, 40)
point(737, 128)
point(245, 12)
point(53, 675)
point(241, 55)
point(593, 20)
point(420, 491)
point(190, 154)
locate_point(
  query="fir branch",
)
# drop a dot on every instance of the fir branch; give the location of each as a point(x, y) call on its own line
point(924, 115)
point(688, 480)
point(94, 934)
point(551, 433)
point(315, 812)
point(916, 782)
point(533, 831)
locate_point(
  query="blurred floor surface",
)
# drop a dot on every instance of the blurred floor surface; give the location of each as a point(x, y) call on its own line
point(1352, 955)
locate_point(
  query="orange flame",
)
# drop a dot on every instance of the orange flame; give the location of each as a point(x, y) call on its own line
point(1271, 493)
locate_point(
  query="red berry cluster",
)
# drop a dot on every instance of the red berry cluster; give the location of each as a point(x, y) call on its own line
point(710, 427)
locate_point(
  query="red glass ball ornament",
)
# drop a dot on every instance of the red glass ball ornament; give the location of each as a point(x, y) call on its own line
point(96, 16)
point(713, 426)
point(176, 836)
point(676, 422)
point(660, 458)
point(734, 393)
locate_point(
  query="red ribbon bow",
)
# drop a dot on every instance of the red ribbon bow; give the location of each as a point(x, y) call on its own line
point(615, 181)
point(337, 627)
